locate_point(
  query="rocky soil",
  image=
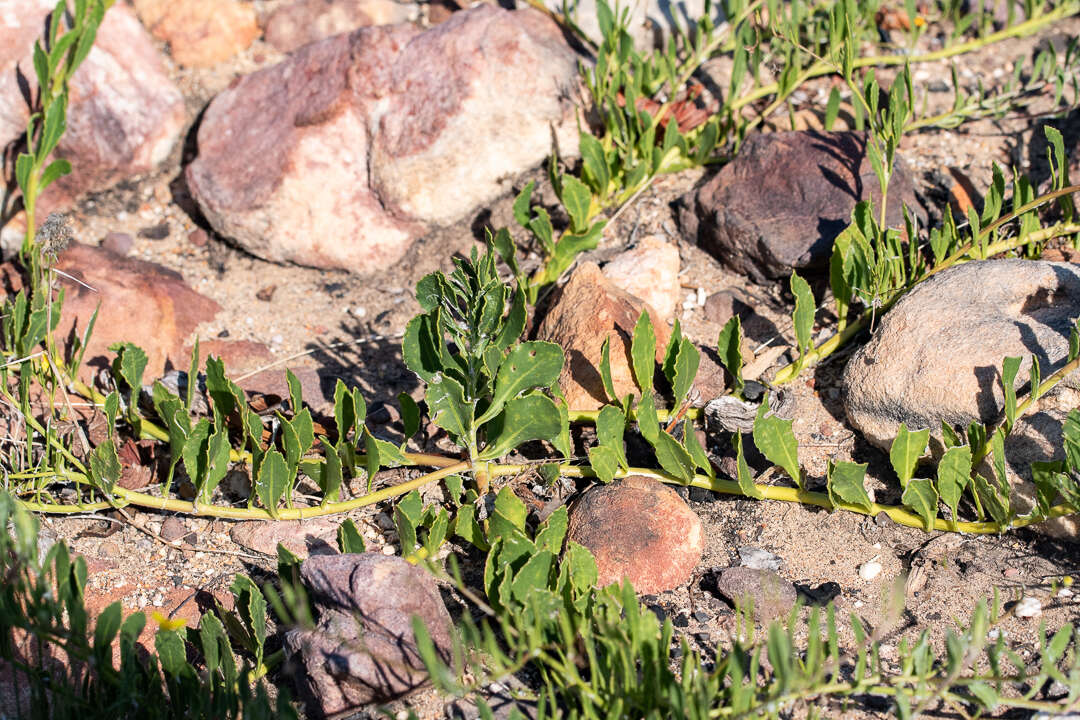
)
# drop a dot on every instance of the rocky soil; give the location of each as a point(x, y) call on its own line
point(279, 200)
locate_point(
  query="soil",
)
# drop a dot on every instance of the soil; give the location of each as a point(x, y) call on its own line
point(349, 327)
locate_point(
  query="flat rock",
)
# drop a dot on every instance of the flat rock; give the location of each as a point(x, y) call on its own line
point(124, 113)
point(780, 204)
point(343, 154)
point(303, 538)
point(140, 302)
point(200, 33)
point(937, 355)
point(298, 23)
point(639, 529)
point(363, 648)
point(650, 271)
point(590, 308)
point(651, 22)
point(770, 595)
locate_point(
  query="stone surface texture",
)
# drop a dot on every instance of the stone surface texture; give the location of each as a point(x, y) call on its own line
point(200, 33)
point(124, 113)
point(612, 313)
point(650, 271)
point(343, 154)
point(140, 301)
point(651, 22)
point(363, 649)
point(780, 204)
point(639, 529)
point(770, 595)
point(313, 536)
point(296, 24)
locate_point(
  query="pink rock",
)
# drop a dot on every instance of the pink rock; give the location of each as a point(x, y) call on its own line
point(299, 23)
point(343, 154)
point(649, 271)
point(639, 529)
point(124, 113)
point(200, 33)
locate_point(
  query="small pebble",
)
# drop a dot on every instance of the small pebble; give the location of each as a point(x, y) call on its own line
point(389, 550)
point(869, 570)
point(701, 297)
point(359, 311)
point(1065, 592)
point(1029, 607)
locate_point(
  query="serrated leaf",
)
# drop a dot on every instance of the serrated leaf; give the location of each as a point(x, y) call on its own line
point(552, 532)
point(521, 205)
point(643, 352)
point(195, 452)
point(529, 365)
point(729, 347)
point(170, 652)
point(775, 439)
point(803, 316)
point(105, 466)
point(130, 364)
point(410, 414)
point(446, 403)
point(992, 500)
point(906, 450)
point(273, 481)
point(540, 225)
point(1071, 433)
point(420, 347)
point(576, 198)
point(508, 518)
point(673, 457)
point(466, 527)
point(647, 420)
point(533, 417)
point(330, 474)
point(349, 539)
point(742, 472)
point(514, 324)
point(596, 167)
point(532, 576)
point(604, 463)
point(845, 481)
point(581, 566)
point(1010, 366)
point(920, 496)
point(686, 367)
point(605, 369)
point(610, 428)
point(954, 474)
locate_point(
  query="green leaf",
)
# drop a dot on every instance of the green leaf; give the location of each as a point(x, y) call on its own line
point(105, 466)
point(906, 450)
point(410, 415)
point(330, 475)
point(195, 452)
point(920, 496)
point(130, 363)
point(610, 428)
point(576, 197)
point(605, 369)
point(1010, 366)
point(992, 499)
point(170, 651)
point(697, 452)
point(420, 347)
point(515, 321)
point(54, 171)
point(533, 575)
point(742, 471)
point(647, 420)
point(509, 516)
point(344, 412)
point(446, 403)
point(533, 417)
point(643, 352)
point(673, 457)
point(529, 365)
point(803, 317)
point(24, 166)
point(604, 463)
point(954, 474)
point(1071, 432)
point(108, 624)
point(466, 527)
point(845, 481)
point(349, 539)
point(686, 367)
point(729, 346)
point(596, 167)
point(273, 481)
point(552, 532)
point(521, 206)
point(776, 441)
point(540, 225)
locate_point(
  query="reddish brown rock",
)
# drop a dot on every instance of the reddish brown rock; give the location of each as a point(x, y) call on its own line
point(780, 204)
point(200, 33)
point(650, 271)
point(124, 113)
point(638, 529)
point(769, 595)
point(315, 536)
point(141, 302)
point(589, 309)
point(343, 154)
point(296, 24)
point(363, 648)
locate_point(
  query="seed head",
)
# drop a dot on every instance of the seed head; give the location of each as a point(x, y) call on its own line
point(53, 235)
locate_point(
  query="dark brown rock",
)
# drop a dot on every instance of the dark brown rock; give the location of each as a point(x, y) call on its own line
point(296, 24)
point(770, 595)
point(639, 529)
point(363, 648)
point(140, 302)
point(611, 313)
point(780, 204)
point(173, 528)
point(124, 113)
point(400, 113)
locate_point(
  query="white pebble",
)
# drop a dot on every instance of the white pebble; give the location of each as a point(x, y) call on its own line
point(1065, 592)
point(389, 550)
point(159, 600)
point(277, 340)
point(869, 570)
point(1029, 607)
point(359, 311)
point(249, 320)
point(701, 297)
point(858, 603)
